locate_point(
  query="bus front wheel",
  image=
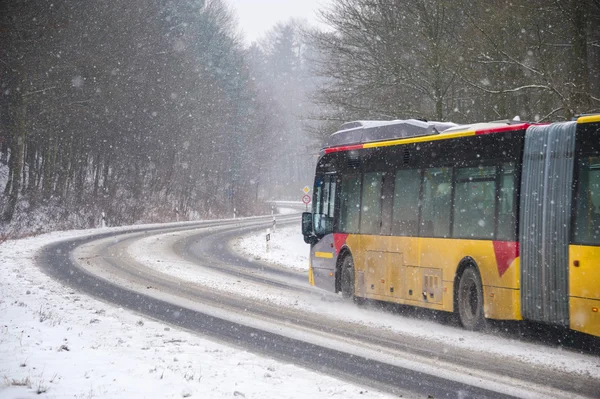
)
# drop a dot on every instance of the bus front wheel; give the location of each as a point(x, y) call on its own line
point(470, 300)
point(347, 277)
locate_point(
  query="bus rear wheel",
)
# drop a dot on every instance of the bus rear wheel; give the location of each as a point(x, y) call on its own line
point(347, 277)
point(470, 300)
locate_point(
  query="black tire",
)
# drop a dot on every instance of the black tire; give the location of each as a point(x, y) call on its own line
point(469, 298)
point(347, 277)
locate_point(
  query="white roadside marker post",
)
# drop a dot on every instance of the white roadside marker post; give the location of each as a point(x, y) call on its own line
point(268, 238)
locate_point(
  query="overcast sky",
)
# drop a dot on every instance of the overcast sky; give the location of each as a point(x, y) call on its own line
point(256, 17)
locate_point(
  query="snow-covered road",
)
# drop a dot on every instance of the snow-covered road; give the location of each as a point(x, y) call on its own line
point(59, 343)
point(66, 344)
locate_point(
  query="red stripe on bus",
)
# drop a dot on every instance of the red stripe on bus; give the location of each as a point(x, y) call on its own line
point(343, 148)
point(506, 252)
point(339, 239)
point(512, 128)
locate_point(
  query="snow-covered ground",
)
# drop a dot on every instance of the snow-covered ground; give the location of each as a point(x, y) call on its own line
point(65, 344)
point(59, 343)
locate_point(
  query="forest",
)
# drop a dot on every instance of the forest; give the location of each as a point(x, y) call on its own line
point(153, 111)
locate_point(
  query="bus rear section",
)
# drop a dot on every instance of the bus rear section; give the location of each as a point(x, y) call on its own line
point(584, 249)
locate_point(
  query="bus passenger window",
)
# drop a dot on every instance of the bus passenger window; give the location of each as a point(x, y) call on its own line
point(349, 204)
point(370, 218)
point(587, 217)
point(475, 203)
point(435, 211)
point(506, 205)
point(405, 217)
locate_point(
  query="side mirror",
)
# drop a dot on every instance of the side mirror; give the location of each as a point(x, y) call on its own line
point(307, 225)
point(307, 228)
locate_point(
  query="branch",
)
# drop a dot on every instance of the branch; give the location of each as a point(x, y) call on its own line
point(501, 51)
point(38, 91)
point(513, 90)
point(551, 113)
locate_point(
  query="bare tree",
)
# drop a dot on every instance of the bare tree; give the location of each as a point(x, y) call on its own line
point(534, 58)
point(389, 58)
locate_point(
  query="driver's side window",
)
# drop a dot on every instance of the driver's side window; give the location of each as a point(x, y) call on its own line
point(324, 204)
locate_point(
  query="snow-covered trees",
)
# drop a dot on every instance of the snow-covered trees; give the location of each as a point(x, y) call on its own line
point(140, 107)
point(134, 108)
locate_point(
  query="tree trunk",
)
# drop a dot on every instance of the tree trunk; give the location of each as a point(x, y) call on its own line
point(580, 101)
point(16, 160)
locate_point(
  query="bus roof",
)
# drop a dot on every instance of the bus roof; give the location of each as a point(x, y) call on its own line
point(360, 132)
point(369, 134)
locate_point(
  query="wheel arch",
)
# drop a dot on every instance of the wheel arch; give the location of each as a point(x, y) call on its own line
point(344, 251)
point(462, 266)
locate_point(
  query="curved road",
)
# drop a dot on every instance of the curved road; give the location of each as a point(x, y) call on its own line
point(388, 361)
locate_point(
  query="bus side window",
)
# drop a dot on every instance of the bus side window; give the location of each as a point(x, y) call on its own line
point(435, 210)
point(349, 204)
point(405, 216)
point(475, 203)
point(587, 217)
point(506, 230)
point(370, 219)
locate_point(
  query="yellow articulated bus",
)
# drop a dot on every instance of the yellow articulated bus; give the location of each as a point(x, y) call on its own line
point(495, 220)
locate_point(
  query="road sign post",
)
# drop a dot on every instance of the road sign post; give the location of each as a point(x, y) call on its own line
point(306, 200)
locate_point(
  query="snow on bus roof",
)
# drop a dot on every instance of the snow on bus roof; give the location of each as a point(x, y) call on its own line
point(355, 124)
point(477, 126)
point(358, 132)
